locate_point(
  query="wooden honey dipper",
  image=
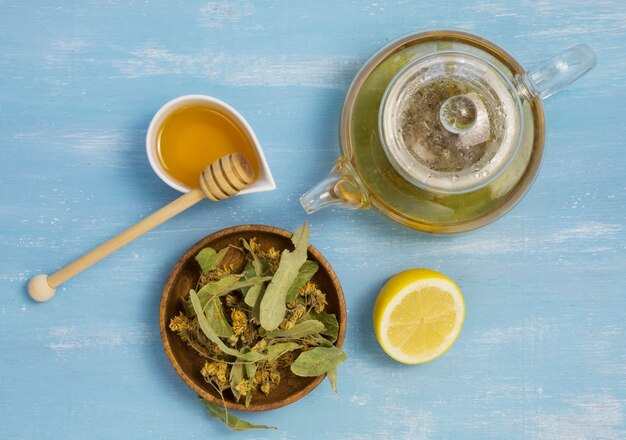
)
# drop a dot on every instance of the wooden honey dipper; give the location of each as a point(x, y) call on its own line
point(222, 179)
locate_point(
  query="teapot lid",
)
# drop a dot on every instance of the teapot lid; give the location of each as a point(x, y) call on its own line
point(450, 122)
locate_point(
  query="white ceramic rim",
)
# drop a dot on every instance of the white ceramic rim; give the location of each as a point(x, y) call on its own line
point(264, 182)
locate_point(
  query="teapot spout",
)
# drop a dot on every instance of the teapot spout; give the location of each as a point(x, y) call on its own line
point(341, 187)
point(558, 72)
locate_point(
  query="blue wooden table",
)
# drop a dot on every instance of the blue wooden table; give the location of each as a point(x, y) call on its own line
point(543, 350)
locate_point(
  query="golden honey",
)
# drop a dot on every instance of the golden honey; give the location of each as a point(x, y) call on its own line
point(193, 137)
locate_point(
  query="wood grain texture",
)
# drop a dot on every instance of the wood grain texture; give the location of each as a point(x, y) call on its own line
point(542, 353)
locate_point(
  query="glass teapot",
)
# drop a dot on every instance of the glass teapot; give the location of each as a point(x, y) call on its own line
point(443, 131)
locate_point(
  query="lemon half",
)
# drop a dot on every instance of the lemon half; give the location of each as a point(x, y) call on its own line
point(418, 315)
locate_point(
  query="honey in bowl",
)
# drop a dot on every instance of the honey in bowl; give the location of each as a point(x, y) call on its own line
point(193, 137)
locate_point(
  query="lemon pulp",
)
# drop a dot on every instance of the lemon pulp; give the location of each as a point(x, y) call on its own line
point(418, 315)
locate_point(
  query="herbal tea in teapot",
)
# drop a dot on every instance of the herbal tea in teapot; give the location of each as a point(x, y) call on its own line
point(443, 131)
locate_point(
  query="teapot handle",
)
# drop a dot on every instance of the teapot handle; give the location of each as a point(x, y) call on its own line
point(342, 186)
point(559, 71)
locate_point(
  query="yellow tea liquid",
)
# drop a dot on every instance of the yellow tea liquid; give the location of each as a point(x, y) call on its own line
point(193, 137)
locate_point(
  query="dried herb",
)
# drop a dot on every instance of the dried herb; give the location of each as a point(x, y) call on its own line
point(305, 328)
point(206, 327)
point(236, 376)
point(331, 326)
point(214, 313)
point(232, 421)
point(332, 378)
point(273, 305)
point(254, 327)
point(208, 259)
point(306, 272)
point(277, 350)
point(318, 361)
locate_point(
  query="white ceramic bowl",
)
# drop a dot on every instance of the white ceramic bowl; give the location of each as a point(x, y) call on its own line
point(265, 181)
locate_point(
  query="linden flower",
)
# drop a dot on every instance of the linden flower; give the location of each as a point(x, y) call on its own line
point(266, 388)
point(240, 322)
point(320, 301)
point(308, 289)
point(179, 323)
point(216, 372)
point(298, 312)
point(285, 360)
point(258, 378)
point(260, 346)
point(273, 254)
point(254, 245)
point(275, 377)
point(287, 324)
point(215, 275)
point(209, 369)
point(243, 387)
point(231, 300)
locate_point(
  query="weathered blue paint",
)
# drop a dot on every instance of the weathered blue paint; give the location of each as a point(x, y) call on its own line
point(543, 350)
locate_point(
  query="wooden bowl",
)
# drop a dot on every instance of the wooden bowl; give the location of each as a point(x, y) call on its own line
point(184, 276)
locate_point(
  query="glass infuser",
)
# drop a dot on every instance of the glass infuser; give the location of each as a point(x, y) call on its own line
point(443, 131)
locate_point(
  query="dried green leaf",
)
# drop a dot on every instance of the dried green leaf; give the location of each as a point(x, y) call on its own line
point(245, 283)
point(206, 328)
point(317, 361)
point(332, 378)
point(331, 326)
point(273, 306)
point(236, 374)
point(228, 418)
point(252, 356)
point(250, 368)
point(227, 285)
point(300, 330)
point(256, 262)
point(211, 290)
point(209, 259)
point(254, 295)
point(248, 273)
point(323, 342)
point(214, 313)
point(277, 350)
point(306, 272)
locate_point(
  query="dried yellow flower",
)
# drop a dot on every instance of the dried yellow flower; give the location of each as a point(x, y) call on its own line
point(273, 254)
point(179, 323)
point(285, 360)
point(240, 322)
point(308, 289)
point(243, 387)
point(209, 369)
point(254, 245)
point(275, 377)
point(258, 378)
point(266, 388)
point(287, 324)
point(260, 346)
point(231, 300)
point(298, 312)
point(320, 301)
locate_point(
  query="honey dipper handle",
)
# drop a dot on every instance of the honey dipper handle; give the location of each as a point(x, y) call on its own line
point(220, 180)
point(42, 288)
